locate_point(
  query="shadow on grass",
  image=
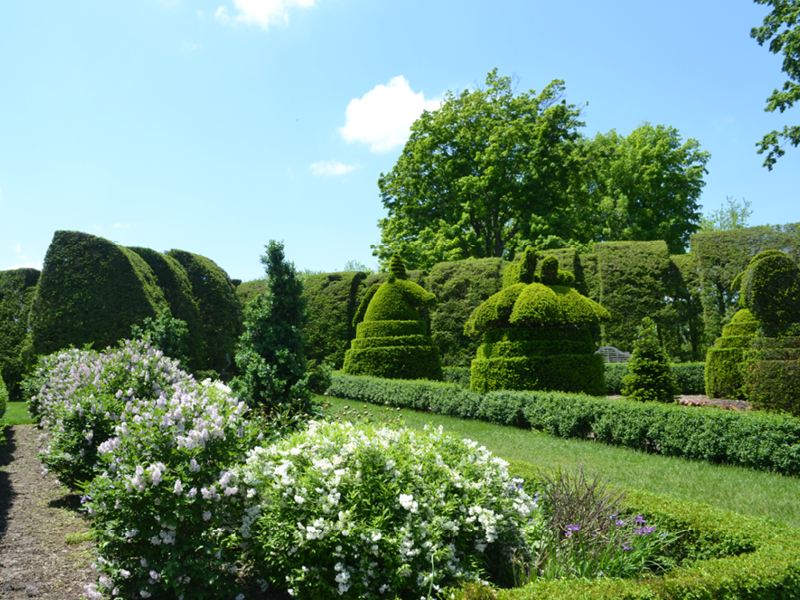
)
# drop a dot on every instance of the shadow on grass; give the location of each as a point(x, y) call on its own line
point(7, 493)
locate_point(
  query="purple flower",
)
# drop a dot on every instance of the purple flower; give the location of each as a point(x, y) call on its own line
point(640, 520)
point(571, 529)
point(645, 530)
point(620, 523)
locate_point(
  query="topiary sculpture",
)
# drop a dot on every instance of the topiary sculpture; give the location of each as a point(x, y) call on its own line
point(649, 376)
point(724, 360)
point(771, 291)
point(391, 341)
point(535, 333)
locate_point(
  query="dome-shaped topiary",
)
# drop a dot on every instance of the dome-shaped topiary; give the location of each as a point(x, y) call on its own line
point(535, 332)
point(724, 360)
point(391, 340)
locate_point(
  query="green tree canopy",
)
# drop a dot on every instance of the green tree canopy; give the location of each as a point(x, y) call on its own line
point(641, 187)
point(733, 216)
point(780, 30)
point(480, 176)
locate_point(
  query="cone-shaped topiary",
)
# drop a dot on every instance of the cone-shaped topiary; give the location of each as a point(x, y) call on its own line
point(535, 333)
point(391, 340)
point(724, 360)
point(649, 376)
point(771, 290)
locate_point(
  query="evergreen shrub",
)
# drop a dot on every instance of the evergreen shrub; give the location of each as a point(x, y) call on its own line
point(458, 375)
point(391, 341)
point(3, 405)
point(649, 375)
point(250, 289)
point(17, 288)
point(690, 377)
point(724, 377)
point(166, 334)
point(91, 291)
point(220, 309)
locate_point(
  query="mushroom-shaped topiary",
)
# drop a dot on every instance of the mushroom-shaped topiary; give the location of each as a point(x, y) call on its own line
point(391, 341)
point(535, 333)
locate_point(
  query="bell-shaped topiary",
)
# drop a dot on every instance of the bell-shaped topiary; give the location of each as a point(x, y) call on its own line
point(649, 376)
point(724, 360)
point(535, 332)
point(391, 341)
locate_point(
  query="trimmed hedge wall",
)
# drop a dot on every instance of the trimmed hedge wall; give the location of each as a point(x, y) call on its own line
point(174, 283)
point(90, 292)
point(762, 441)
point(220, 309)
point(250, 289)
point(331, 299)
point(17, 289)
point(684, 290)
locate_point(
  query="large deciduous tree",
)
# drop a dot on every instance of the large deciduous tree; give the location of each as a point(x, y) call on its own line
point(480, 176)
point(780, 30)
point(641, 187)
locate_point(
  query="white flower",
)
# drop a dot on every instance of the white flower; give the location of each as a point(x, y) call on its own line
point(125, 574)
point(144, 593)
point(206, 515)
point(178, 487)
point(407, 501)
point(299, 499)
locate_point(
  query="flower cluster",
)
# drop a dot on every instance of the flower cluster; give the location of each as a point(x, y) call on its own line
point(351, 511)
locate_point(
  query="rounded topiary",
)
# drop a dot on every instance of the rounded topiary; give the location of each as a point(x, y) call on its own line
point(723, 371)
point(649, 376)
point(392, 341)
point(771, 370)
point(535, 333)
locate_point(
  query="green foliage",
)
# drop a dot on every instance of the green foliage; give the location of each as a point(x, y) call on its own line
point(686, 326)
point(3, 405)
point(771, 290)
point(250, 289)
point(481, 175)
point(17, 288)
point(458, 375)
point(331, 299)
point(649, 375)
point(633, 285)
point(734, 216)
point(460, 286)
point(689, 377)
point(566, 372)
point(724, 377)
point(174, 283)
point(166, 334)
point(270, 356)
point(642, 187)
point(780, 30)
point(392, 341)
point(220, 309)
point(91, 291)
point(722, 255)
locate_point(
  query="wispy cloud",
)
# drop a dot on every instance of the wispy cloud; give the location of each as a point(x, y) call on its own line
point(326, 168)
point(25, 261)
point(261, 13)
point(384, 115)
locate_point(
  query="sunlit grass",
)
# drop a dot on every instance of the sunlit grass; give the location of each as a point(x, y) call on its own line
point(746, 491)
point(17, 414)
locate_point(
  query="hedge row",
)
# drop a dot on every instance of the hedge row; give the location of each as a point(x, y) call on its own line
point(17, 288)
point(762, 441)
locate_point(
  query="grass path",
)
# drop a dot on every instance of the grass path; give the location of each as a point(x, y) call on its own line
point(754, 493)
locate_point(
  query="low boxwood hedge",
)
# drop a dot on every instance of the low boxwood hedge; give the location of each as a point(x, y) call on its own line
point(768, 442)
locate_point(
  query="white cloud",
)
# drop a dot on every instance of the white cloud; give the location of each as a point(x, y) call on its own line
point(26, 263)
point(384, 115)
point(262, 13)
point(325, 168)
point(121, 226)
point(17, 248)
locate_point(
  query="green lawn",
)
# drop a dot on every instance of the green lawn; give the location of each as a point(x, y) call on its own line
point(746, 491)
point(17, 414)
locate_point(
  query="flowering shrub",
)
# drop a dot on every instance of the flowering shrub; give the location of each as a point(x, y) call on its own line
point(351, 511)
point(165, 507)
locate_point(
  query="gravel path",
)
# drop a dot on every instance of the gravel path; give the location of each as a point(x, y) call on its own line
point(41, 552)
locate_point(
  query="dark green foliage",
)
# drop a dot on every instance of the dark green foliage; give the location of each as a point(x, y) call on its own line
point(250, 289)
point(686, 326)
point(633, 279)
point(614, 374)
point(757, 440)
point(649, 375)
point(167, 334)
point(392, 341)
point(724, 377)
point(3, 405)
point(331, 299)
point(174, 283)
point(690, 377)
point(771, 289)
point(270, 356)
point(772, 373)
point(220, 309)
point(566, 372)
point(17, 289)
point(319, 376)
point(458, 375)
point(460, 286)
point(722, 255)
point(91, 291)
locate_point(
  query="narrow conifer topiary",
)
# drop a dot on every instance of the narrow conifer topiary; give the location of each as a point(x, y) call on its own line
point(649, 376)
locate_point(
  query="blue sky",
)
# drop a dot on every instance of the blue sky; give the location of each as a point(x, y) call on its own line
point(216, 125)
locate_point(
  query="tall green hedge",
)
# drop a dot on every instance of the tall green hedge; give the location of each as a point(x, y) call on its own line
point(250, 289)
point(683, 288)
point(17, 289)
point(331, 299)
point(633, 285)
point(90, 292)
point(220, 309)
point(461, 286)
point(174, 283)
point(724, 361)
point(722, 255)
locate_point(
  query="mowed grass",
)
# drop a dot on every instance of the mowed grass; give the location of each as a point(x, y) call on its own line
point(17, 414)
point(746, 491)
